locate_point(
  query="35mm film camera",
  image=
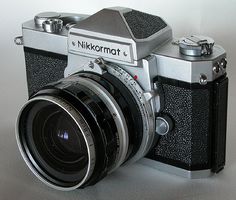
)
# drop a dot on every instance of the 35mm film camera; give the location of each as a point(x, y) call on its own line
point(113, 87)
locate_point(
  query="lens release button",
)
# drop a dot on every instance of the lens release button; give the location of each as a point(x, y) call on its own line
point(164, 125)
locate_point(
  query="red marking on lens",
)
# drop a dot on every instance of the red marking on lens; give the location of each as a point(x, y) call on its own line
point(135, 77)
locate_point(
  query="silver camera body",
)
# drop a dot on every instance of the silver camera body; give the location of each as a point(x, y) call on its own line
point(139, 50)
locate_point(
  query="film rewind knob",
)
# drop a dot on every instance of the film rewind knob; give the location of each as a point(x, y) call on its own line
point(42, 17)
point(53, 25)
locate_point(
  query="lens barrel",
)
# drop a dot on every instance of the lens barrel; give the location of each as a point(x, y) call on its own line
point(73, 132)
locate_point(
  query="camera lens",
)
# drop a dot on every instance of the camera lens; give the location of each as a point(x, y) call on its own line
point(73, 132)
point(55, 141)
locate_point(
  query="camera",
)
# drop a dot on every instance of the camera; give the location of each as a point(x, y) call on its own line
point(114, 87)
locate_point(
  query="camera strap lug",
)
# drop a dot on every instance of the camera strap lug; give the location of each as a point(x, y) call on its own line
point(19, 40)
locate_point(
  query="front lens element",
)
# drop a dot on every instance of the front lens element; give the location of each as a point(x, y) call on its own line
point(58, 138)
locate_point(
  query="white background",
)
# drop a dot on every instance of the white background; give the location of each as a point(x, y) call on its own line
point(206, 17)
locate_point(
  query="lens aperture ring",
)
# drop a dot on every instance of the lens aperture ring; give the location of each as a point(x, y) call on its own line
point(144, 107)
